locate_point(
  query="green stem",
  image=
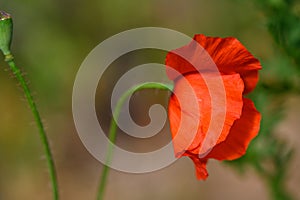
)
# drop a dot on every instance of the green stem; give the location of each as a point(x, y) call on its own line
point(113, 128)
point(17, 72)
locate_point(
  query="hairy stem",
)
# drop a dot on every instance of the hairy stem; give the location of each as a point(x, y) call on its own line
point(16, 71)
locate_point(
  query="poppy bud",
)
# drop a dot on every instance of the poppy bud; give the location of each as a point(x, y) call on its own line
point(6, 27)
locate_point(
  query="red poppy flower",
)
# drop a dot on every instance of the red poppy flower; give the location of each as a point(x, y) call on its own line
point(191, 106)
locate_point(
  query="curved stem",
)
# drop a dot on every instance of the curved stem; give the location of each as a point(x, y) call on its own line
point(16, 71)
point(113, 128)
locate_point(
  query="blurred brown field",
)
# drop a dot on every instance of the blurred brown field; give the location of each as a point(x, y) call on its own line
point(52, 38)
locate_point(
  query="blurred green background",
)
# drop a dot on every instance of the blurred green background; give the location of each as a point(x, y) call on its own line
point(52, 38)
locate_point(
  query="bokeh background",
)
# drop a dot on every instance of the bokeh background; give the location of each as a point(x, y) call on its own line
point(52, 38)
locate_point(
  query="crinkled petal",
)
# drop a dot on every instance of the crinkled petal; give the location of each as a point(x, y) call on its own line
point(229, 55)
point(240, 135)
point(192, 134)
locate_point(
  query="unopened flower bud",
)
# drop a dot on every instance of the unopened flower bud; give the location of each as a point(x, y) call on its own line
point(6, 29)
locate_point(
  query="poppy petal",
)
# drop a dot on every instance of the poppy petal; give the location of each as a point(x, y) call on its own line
point(242, 132)
point(194, 131)
point(229, 55)
point(200, 167)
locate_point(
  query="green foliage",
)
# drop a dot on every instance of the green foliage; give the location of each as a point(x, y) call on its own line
point(268, 154)
point(283, 23)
